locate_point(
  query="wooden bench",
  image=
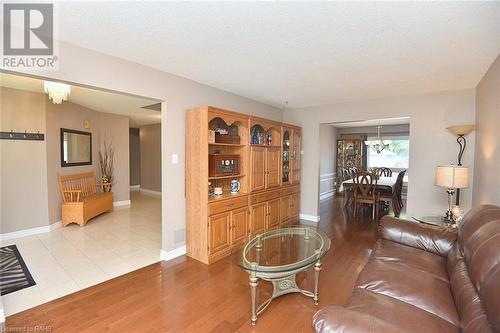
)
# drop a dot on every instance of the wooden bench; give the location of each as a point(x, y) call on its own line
point(80, 199)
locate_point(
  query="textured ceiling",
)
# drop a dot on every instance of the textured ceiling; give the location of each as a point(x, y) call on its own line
point(307, 53)
point(97, 100)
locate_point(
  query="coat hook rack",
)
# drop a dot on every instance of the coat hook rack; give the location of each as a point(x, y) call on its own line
point(22, 136)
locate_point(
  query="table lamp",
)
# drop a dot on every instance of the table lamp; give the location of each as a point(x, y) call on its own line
point(451, 177)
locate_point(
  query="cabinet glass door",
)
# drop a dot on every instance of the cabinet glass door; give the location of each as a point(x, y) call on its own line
point(285, 168)
point(296, 155)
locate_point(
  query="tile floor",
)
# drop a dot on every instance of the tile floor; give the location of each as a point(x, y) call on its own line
point(72, 258)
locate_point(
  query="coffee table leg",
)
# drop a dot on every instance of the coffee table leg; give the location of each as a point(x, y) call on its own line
point(253, 290)
point(317, 269)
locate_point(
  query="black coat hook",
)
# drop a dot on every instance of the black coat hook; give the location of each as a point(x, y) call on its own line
point(22, 136)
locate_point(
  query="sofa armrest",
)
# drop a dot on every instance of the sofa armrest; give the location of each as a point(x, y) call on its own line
point(422, 236)
point(334, 319)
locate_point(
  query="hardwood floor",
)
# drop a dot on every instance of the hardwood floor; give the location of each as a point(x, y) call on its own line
point(184, 295)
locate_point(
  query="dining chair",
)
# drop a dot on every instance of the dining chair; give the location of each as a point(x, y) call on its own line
point(345, 174)
point(365, 192)
point(394, 198)
point(348, 193)
point(399, 190)
point(384, 172)
point(353, 171)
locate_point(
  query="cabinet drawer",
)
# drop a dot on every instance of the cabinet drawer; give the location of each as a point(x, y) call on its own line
point(223, 206)
point(290, 190)
point(265, 196)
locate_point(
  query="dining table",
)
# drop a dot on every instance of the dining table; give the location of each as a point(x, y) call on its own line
point(384, 184)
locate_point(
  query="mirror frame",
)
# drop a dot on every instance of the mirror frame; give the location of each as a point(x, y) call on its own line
point(63, 162)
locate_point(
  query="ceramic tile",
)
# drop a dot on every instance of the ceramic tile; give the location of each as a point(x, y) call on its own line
point(72, 258)
point(21, 300)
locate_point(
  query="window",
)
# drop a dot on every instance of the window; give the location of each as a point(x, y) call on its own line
point(395, 156)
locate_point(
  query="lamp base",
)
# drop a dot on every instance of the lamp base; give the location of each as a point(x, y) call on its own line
point(448, 217)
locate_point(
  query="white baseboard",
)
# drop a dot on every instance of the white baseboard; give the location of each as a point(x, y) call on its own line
point(312, 218)
point(169, 255)
point(24, 233)
point(151, 192)
point(326, 195)
point(31, 231)
point(121, 203)
point(135, 188)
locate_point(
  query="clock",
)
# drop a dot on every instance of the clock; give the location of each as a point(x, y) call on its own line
point(223, 165)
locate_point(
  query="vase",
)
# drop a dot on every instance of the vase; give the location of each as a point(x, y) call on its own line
point(106, 187)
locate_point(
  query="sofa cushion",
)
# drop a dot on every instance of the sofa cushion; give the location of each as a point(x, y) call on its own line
point(474, 219)
point(472, 315)
point(410, 285)
point(421, 236)
point(404, 316)
point(338, 319)
point(421, 260)
point(482, 258)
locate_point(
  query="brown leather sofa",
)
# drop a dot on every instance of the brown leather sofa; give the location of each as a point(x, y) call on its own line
point(422, 278)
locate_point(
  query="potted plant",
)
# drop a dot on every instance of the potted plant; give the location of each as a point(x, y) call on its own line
point(106, 159)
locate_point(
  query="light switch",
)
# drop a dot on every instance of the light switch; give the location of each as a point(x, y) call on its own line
point(175, 159)
point(301, 152)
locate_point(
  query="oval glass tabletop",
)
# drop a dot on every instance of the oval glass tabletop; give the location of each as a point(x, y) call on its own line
point(282, 250)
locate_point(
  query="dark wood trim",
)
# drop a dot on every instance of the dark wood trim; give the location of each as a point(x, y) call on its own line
point(61, 142)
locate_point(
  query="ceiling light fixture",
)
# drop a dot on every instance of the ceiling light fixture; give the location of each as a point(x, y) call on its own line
point(378, 144)
point(58, 92)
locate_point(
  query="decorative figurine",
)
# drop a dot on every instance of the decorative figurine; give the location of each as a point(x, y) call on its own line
point(235, 186)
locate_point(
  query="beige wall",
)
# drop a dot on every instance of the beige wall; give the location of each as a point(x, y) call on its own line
point(23, 173)
point(103, 126)
point(30, 192)
point(327, 147)
point(430, 143)
point(135, 157)
point(150, 138)
point(486, 183)
point(79, 65)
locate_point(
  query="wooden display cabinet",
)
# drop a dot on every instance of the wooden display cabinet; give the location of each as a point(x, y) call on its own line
point(291, 151)
point(286, 151)
point(296, 155)
point(265, 138)
point(215, 224)
point(351, 153)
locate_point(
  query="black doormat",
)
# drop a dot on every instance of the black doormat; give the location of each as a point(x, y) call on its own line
point(14, 274)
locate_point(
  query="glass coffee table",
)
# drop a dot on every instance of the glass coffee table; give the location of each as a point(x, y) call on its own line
point(435, 220)
point(277, 256)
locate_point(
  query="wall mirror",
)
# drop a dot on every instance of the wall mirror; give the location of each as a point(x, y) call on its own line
point(76, 148)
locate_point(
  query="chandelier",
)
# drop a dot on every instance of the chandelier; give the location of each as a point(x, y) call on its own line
point(58, 92)
point(378, 144)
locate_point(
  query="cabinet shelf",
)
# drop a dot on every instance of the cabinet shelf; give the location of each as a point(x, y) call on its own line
point(257, 145)
point(225, 196)
point(226, 177)
point(226, 144)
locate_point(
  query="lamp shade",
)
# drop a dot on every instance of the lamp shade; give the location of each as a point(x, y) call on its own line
point(461, 129)
point(452, 176)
